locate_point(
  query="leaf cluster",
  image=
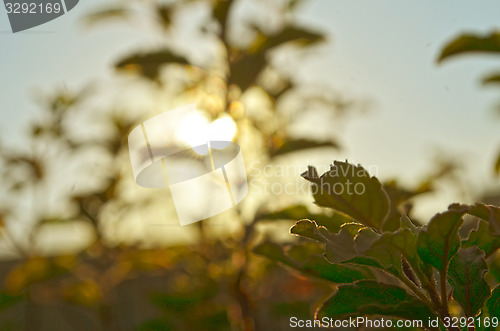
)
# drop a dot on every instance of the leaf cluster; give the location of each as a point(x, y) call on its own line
point(408, 271)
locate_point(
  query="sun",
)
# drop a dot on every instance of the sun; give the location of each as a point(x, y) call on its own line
point(195, 129)
point(222, 129)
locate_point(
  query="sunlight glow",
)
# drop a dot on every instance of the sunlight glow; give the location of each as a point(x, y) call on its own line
point(223, 128)
point(192, 129)
point(195, 130)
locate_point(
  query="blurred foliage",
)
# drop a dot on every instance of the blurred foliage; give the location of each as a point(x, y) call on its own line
point(476, 44)
point(215, 283)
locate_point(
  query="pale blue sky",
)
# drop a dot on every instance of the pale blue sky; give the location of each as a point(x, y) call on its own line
point(386, 50)
point(381, 50)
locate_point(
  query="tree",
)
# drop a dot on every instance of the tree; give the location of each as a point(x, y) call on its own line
point(216, 282)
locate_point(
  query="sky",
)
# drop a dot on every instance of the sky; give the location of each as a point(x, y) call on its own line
point(383, 51)
point(386, 50)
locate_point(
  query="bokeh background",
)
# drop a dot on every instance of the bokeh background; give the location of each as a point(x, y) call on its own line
point(296, 82)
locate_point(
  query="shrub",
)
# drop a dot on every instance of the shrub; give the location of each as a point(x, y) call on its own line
point(385, 264)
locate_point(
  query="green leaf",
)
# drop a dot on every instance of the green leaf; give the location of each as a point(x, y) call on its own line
point(488, 213)
point(296, 145)
point(315, 265)
point(386, 251)
point(407, 223)
point(494, 271)
point(360, 245)
point(439, 241)
point(466, 276)
point(318, 267)
point(365, 239)
point(309, 229)
point(469, 43)
point(493, 303)
point(149, 64)
point(351, 242)
point(390, 249)
point(303, 251)
point(349, 189)
point(367, 297)
point(482, 238)
point(333, 222)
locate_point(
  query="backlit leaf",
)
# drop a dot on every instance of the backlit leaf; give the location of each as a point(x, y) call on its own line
point(345, 245)
point(482, 238)
point(348, 245)
point(368, 297)
point(488, 213)
point(318, 267)
point(407, 223)
point(308, 229)
point(315, 265)
point(349, 189)
point(331, 222)
point(360, 245)
point(390, 249)
point(439, 241)
point(493, 303)
point(466, 275)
